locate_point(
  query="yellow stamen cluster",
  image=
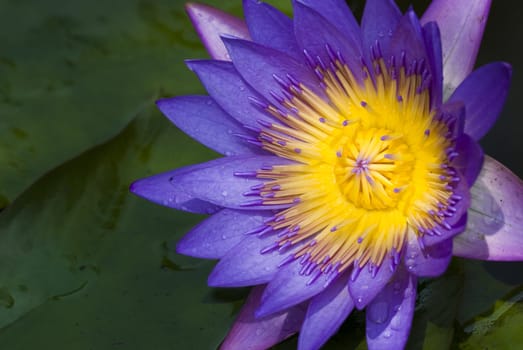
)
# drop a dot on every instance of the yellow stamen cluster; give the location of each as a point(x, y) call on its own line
point(368, 169)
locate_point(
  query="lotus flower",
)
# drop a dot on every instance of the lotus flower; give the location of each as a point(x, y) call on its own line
point(351, 163)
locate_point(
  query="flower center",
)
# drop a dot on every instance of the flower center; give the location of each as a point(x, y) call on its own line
point(371, 166)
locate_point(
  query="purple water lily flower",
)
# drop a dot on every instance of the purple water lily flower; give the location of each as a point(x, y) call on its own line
point(352, 165)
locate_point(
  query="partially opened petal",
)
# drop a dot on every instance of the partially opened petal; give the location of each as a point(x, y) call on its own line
point(389, 316)
point(408, 40)
point(470, 158)
point(315, 34)
point(484, 93)
point(215, 236)
point(495, 224)
point(291, 285)
point(202, 119)
point(431, 35)
point(211, 23)
point(225, 85)
point(251, 333)
point(326, 314)
point(338, 14)
point(461, 24)
point(431, 261)
point(368, 283)
point(380, 18)
point(160, 189)
point(270, 27)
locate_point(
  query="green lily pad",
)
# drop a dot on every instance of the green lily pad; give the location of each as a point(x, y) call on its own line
point(82, 258)
point(73, 74)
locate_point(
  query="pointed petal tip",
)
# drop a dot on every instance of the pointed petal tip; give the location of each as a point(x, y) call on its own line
point(249, 332)
point(210, 23)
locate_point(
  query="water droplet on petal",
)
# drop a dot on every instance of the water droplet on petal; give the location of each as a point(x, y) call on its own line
point(387, 334)
point(224, 237)
point(225, 193)
point(378, 312)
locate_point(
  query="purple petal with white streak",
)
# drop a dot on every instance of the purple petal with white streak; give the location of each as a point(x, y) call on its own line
point(326, 314)
point(461, 24)
point(369, 283)
point(270, 27)
point(484, 93)
point(215, 236)
point(389, 316)
point(202, 119)
point(221, 80)
point(211, 23)
point(290, 287)
point(251, 333)
point(495, 224)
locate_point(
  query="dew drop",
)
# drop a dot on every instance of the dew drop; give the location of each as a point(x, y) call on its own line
point(224, 193)
point(224, 237)
point(379, 312)
point(387, 334)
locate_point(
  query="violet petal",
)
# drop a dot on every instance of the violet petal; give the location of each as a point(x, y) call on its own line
point(369, 283)
point(429, 262)
point(159, 189)
point(270, 63)
point(461, 24)
point(380, 18)
point(244, 265)
point(210, 23)
point(202, 119)
point(431, 35)
point(249, 332)
point(314, 34)
point(338, 14)
point(408, 39)
point(389, 315)
point(484, 93)
point(470, 158)
point(288, 288)
point(217, 182)
point(271, 28)
point(215, 236)
point(446, 234)
point(221, 80)
point(495, 224)
point(326, 314)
